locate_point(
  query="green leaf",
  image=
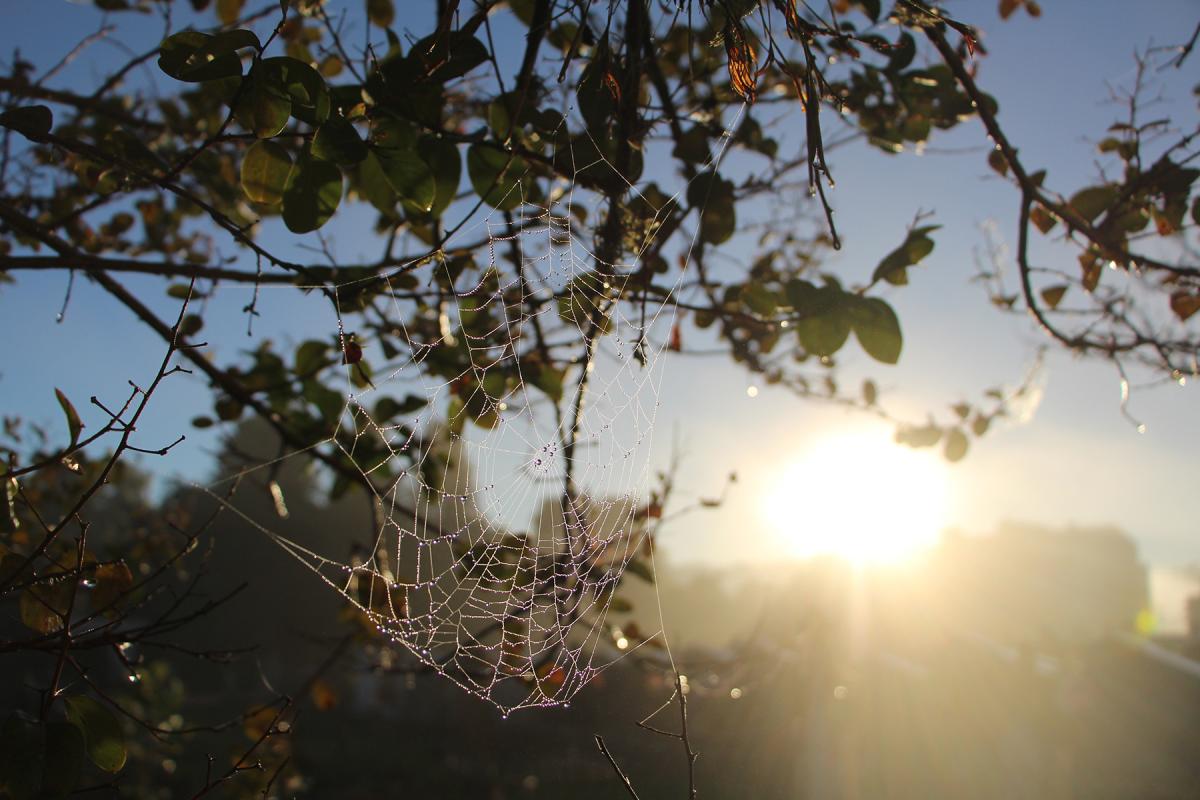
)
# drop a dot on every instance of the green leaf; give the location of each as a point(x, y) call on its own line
point(641, 569)
point(713, 195)
point(903, 53)
point(387, 408)
point(105, 741)
point(759, 299)
point(305, 87)
point(32, 122)
point(523, 10)
point(337, 140)
point(692, 146)
point(495, 176)
point(871, 8)
point(824, 323)
point(955, 446)
point(583, 306)
point(74, 424)
point(405, 171)
point(444, 56)
point(311, 356)
point(10, 563)
point(228, 409)
point(374, 185)
point(311, 195)
point(328, 402)
point(191, 324)
point(264, 107)
point(870, 392)
point(39, 760)
point(63, 765)
point(400, 87)
point(22, 756)
point(919, 435)
point(381, 12)
point(456, 416)
point(550, 381)
point(265, 171)
point(192, 56)
point(877, 329)
point(597, 103)
point(619, 605)
point(893, 268)
point(1092, 202)
point(444, 161)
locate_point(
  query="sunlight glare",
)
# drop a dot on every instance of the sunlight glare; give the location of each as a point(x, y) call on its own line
point(859, 496)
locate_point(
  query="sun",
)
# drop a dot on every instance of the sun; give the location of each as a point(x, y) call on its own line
point(859, 496)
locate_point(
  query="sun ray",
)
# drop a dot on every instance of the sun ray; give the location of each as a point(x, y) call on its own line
point(860, 496)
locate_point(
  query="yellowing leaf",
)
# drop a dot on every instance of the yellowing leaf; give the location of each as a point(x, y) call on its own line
point(43, 605)
point(742, 62)
point(265, 170)
point(1053, 295)
point(323, 696)
point(1091, 266)
point(104, 739)
point(74, 425)
point(870, 392)
point(228, 11)
point(256, 725)
point(998, 162)
point(1042, 218)
point(1184, 304)
point(112, 582)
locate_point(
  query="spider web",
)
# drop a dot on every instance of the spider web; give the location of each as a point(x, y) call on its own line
point(508, 507)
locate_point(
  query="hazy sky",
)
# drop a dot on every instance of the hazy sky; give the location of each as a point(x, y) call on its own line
point(1077, 461)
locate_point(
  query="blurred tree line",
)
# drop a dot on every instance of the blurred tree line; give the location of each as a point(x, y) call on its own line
point(147, 657)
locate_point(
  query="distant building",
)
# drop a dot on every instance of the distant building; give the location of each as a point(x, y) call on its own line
point(1026, 583)
point(1193, 616)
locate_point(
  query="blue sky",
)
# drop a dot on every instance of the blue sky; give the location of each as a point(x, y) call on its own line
point(1077, 461)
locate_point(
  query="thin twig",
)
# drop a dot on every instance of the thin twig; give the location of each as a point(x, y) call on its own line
point(616, 767)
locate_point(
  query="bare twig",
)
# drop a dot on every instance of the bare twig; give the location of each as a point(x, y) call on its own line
point(616, 767)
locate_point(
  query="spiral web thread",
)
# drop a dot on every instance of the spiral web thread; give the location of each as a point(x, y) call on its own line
point(479, 569)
